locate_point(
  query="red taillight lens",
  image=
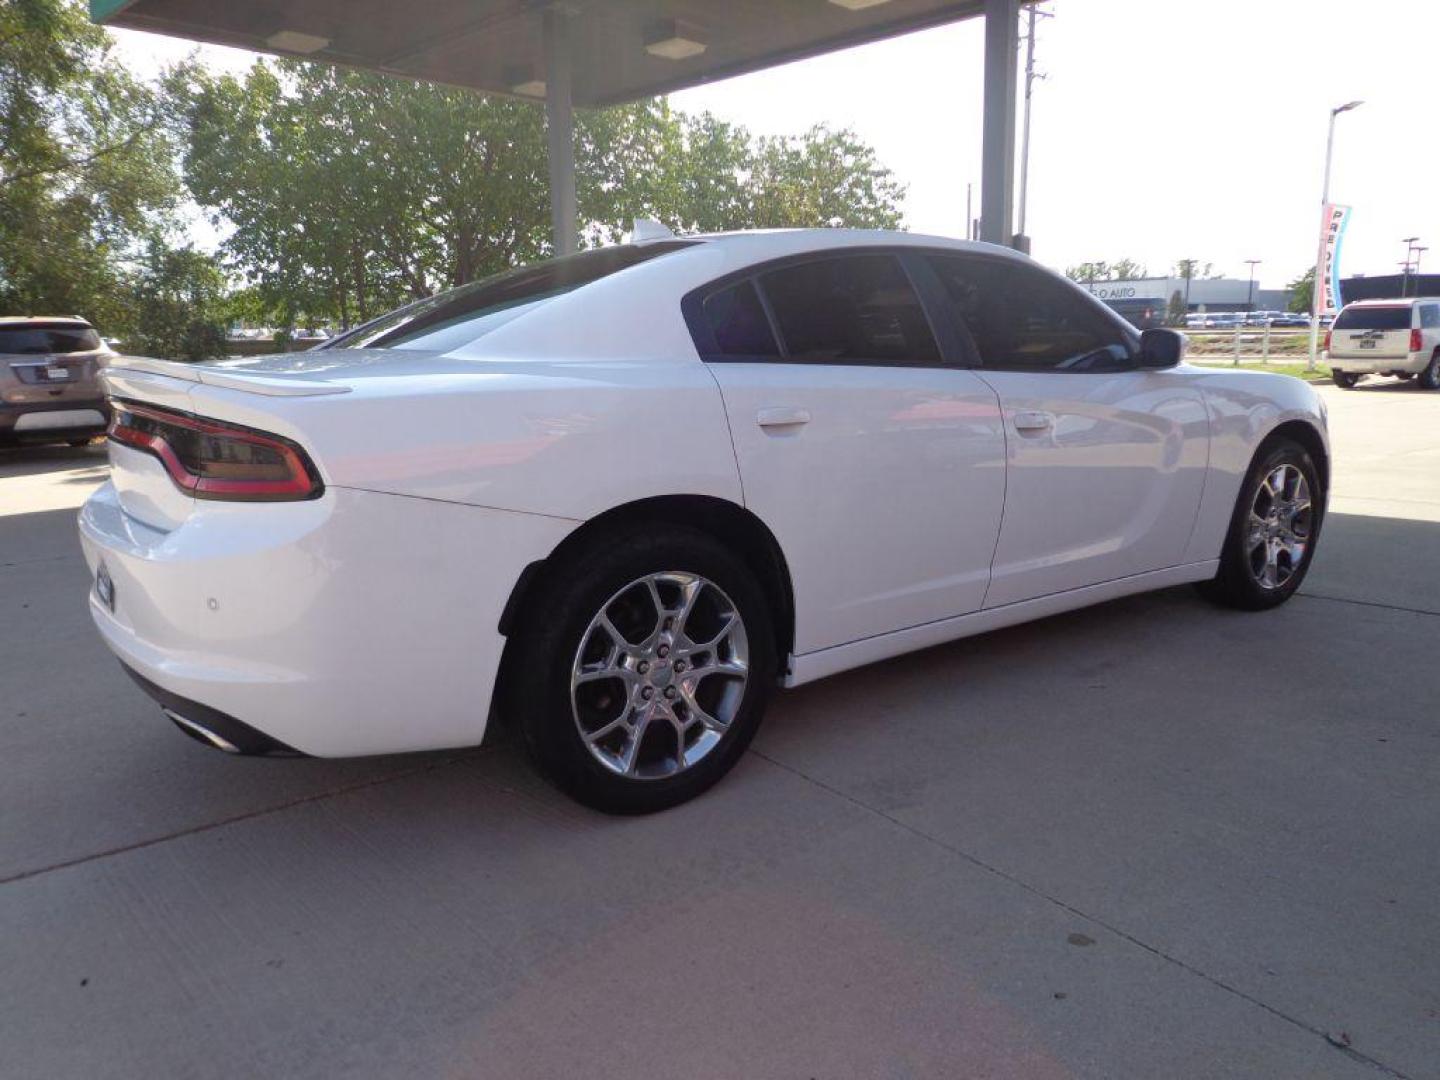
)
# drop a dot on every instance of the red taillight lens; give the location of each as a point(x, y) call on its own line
point(212, 460)
point(1417, 342)
point(1327, 340)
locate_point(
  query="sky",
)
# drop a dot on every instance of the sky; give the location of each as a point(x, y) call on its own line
point(1163, 129)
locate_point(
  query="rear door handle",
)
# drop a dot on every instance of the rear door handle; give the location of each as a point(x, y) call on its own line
point(782, 416)
point(1033, 421)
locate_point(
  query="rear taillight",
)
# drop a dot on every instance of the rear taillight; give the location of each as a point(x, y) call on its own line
point(1417, 342)
point(1327, 340)
point(213, 460)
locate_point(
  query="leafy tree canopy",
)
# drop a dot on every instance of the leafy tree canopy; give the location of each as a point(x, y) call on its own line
point(86, 174)
point(351, 191)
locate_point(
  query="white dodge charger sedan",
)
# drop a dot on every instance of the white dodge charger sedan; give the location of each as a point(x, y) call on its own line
point(616, 497)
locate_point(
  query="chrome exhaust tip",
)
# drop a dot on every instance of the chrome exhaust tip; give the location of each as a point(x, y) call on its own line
point(195, 731)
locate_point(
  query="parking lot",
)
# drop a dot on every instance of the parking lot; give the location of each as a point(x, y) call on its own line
point(1151, 839)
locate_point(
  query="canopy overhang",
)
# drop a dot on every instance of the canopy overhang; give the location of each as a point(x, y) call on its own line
point(590, 53)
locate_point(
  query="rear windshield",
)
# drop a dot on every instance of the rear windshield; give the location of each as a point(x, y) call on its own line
point(32, 339)
point(456, 318)
point(1373, 318)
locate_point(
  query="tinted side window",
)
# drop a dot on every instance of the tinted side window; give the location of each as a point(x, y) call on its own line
point(1429, 316)
point(853, 309)
point(739, 323)
point(1022, 320)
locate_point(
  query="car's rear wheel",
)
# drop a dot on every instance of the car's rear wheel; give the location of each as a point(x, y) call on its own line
point(642, 669)
point(1430, 377)
point(1344, 379)
point(1273, 531)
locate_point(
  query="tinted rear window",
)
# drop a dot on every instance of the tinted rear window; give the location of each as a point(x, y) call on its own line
point(739, 323)
point(36, 340)
point(1374, 318)
point(456, 318)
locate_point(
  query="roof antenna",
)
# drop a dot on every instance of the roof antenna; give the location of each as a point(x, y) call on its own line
point(643, 229)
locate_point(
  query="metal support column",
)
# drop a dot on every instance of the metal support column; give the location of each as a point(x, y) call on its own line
point(997, 178)
point(560, 130)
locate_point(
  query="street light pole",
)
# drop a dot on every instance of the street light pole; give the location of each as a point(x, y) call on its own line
point(1409, 242)
point(1250, 291)
point(1320, 251)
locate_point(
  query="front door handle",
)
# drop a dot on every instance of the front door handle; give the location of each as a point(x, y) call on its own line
point(782, 416)
point(1033, 420)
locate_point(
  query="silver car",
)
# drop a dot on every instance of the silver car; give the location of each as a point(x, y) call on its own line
point(49, 380)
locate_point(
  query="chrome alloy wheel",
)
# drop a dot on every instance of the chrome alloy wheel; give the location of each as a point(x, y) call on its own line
point(1279, 529)
point(659, 675)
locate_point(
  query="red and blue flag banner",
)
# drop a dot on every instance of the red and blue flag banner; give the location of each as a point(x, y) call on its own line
point(1332, 232)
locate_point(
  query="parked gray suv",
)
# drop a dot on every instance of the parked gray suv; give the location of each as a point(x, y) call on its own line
point(49, 380)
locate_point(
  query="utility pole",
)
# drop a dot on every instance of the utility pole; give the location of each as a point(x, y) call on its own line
point(1250, 292)
point(1032, 15)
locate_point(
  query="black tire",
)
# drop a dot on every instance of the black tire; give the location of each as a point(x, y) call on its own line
point(1430, 378)
point(1237, 583)
point(1344, 379)
point(557, 622)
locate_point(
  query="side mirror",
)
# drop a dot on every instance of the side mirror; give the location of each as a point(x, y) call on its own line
point(1162, 348)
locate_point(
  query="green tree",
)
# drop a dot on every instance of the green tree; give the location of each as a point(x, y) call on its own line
point(86, 174)
point(1120, 270)
point(1129, 269)
point(1089, 271)
point(1175, 310)
point(179, 305)
point(349, 192)
point(1193, 268)
point(1302, 291)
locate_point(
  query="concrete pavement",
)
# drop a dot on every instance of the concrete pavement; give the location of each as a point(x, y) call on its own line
point(1149, 839)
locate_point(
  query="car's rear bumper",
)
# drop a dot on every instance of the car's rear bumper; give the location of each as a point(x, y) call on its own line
point(357, 623)
point(1411, 363)
point(51, 421)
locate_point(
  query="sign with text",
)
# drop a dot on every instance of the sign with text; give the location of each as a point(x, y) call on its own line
point(1332, 234)
point(1139, 289)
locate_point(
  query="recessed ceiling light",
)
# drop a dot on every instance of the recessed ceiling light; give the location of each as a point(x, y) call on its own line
point(858, 5)
point(296, 41)
point(674, 40)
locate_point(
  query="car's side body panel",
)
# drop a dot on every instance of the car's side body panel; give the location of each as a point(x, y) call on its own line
point(886, 498)
point(568, 439)
point(1105, 474)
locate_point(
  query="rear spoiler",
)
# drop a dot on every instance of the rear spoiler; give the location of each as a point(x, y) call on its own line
point(268, 385)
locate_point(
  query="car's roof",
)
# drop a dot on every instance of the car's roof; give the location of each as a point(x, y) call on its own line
point(12, 320)
point(1398, 301)
point(759, 244)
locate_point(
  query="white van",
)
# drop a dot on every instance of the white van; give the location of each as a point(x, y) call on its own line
point(1386, 337)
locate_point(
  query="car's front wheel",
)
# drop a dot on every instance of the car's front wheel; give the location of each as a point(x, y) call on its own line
point(1344, 379)
point(1273, 530)
point(641, 669)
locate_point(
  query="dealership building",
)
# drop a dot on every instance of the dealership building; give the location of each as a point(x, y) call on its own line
point(1143, 301)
